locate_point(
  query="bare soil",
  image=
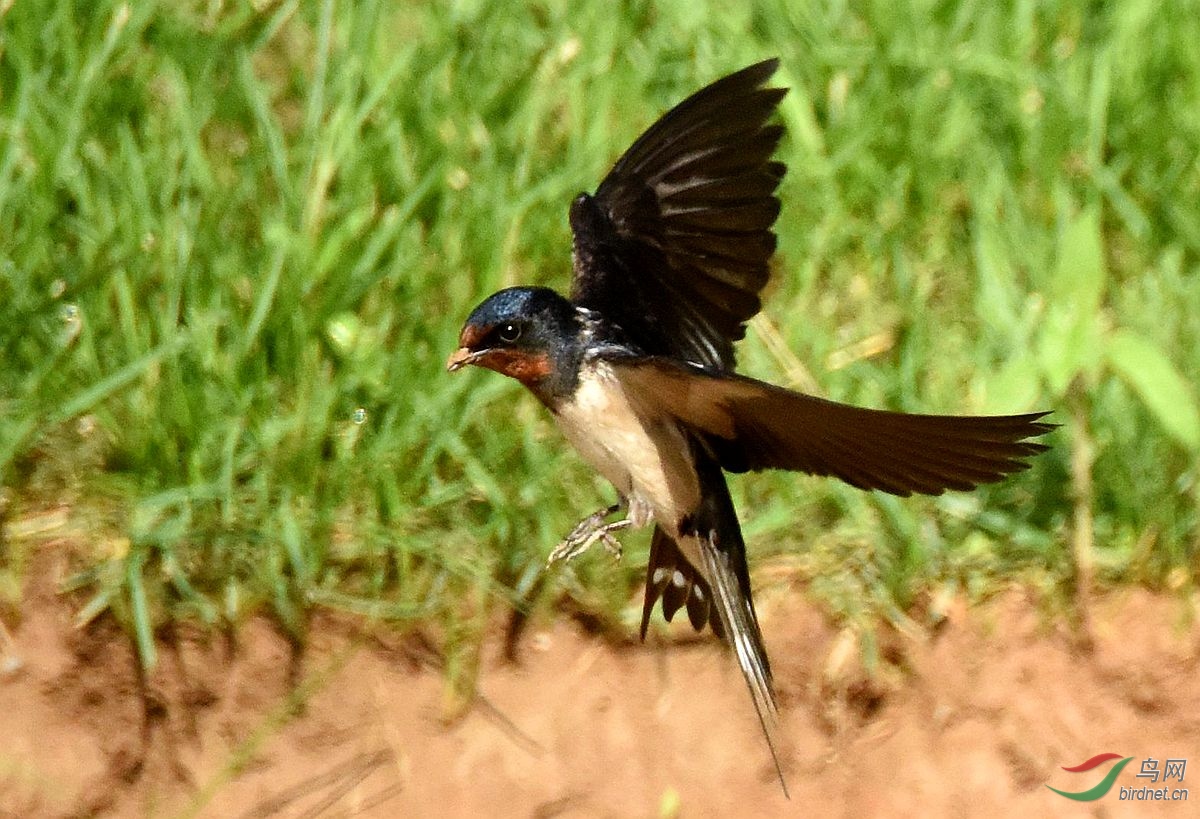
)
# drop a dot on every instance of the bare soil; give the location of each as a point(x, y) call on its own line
point(973, 720)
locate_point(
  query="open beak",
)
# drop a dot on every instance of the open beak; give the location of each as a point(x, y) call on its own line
point(462, 357)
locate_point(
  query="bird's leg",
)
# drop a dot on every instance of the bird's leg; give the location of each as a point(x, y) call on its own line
point(588, 531)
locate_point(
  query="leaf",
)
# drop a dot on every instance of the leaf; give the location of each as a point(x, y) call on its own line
point(344, 331)
point(1015, 386)
point(1143, 365)
point(1079, 270)
point(996, 297)
point(1069, 343)
point(143, 626)
point(1067, 346)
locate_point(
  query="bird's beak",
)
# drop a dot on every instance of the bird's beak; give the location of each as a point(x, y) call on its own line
point(461, 358)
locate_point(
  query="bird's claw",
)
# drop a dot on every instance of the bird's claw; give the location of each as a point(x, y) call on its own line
point(586, 534)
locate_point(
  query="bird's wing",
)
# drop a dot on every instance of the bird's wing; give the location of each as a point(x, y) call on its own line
point(673, 248)
point(748, 424)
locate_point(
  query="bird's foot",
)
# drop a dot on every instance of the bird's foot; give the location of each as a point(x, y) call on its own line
point(587, 533)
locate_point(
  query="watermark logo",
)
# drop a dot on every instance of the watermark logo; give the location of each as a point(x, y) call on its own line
point(1105, 784)
point(1171, 769)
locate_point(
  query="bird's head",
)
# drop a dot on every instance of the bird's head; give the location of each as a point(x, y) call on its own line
point(526, 333)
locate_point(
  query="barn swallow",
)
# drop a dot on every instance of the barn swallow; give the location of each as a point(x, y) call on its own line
point(637, 367)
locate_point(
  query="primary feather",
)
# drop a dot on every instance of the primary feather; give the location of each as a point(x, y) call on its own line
point(683, 222)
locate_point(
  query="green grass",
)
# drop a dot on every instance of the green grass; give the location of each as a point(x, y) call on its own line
point(237, 242)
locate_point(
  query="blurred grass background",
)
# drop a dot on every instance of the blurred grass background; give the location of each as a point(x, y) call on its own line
point(237, 241)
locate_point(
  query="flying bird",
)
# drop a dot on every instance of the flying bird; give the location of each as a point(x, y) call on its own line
point(637, 367)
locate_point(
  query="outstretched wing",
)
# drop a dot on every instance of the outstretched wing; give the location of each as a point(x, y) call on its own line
point(749, 424)
point(674, 246)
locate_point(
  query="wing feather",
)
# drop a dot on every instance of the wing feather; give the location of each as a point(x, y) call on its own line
point(752, 425)
point(673, 248)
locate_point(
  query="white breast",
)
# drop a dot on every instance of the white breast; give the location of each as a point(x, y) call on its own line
point(648, 462)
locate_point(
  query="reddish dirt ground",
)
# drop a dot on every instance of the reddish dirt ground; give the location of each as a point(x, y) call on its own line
point(973, 720)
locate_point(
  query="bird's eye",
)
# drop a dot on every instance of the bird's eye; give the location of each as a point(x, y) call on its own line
point(509, 332)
